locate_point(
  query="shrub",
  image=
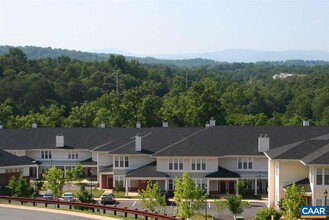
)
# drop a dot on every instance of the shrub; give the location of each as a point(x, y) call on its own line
point(265, 214)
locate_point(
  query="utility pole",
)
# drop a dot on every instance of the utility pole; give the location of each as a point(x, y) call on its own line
point(117, 81)
point(117, 85)
point(186, 80)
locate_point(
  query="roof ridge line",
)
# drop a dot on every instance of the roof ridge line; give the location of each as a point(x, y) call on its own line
point(132, 171)
point(184, 139)
point(128, 143)
point(102, 145)
point(315, 154)
point(273, 153)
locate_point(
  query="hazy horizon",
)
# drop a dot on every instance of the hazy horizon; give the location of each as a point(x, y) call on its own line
point(166, 27)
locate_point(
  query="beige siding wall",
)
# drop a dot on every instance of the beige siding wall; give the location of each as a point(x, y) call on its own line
point(231, 163)
point(162, 164)
point(212, 165)
point(289, 172)
point(228, 163)
point(104, 159)
point(17, 152)
point(260, 163)
point(139, 161)
point(271, 183)
point(59, 154)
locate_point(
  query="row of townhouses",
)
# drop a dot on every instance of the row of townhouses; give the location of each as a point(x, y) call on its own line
point(217, 157)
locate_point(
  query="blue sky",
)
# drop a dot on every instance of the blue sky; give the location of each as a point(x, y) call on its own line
point(166, 26)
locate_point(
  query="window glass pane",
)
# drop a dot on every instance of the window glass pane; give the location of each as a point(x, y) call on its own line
point(326, 177)
point(319, 177)
point(49, 154)
point(204, 166)
point(175, 165)
point(245, 165)
point(116, 162)
point(126, 162)
point(69, 156)
point(250, 164)
point(181, 165)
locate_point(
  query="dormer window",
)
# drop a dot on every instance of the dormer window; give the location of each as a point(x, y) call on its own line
point(45, 154)
point(244, 163)
point(73, 155)
point(198, 164)
point(121, 161)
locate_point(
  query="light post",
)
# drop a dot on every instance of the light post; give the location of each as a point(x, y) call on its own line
point(91, 183)
point(259, 176)
point(325, 193)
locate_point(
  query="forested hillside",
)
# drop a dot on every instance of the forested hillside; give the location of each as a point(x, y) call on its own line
point(61, 92)
point(35, 53)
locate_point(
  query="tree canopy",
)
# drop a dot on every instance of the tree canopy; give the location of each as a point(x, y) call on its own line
point(66, 92)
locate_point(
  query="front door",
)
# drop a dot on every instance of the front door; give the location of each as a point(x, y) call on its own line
point(110, 182)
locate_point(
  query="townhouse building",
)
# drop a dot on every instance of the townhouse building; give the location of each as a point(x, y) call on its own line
point(217, 157)
point(304, 162)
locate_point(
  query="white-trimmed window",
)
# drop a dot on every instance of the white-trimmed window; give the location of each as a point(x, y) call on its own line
point(176, 164)
point(198, 164)
point(322, 176)
point(73, 155)
point(244, 163)
point(201, 183)
point(121, 161)
point(171, 184)
point(119, 180)
point(45, 154)
point(14, 170)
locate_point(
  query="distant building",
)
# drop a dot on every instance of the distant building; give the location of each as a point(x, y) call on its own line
point(283, 75)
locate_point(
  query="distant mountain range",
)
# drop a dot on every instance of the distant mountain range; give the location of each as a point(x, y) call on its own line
point(189, 59)
point(235, 55)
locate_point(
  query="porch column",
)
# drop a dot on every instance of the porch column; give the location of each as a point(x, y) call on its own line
point(166, 185)
point(64, 170)
point(208, 186)
point(236, 191)
point(100, 183)
point(126, 187)
point(255, 186)
point(37, 172)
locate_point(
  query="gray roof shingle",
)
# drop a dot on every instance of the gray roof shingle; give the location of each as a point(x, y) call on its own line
point(305, 183)
point(8, 159)
point(223, 173)
point(147, 171)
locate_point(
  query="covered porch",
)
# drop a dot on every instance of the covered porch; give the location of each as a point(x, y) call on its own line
point(136, 180)
point(105, 177)
point(222, 181)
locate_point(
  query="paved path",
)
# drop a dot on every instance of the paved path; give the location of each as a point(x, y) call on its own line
point(14, 212)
